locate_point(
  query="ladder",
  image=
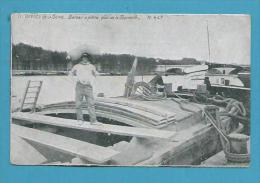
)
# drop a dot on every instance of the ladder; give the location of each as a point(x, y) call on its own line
point(31, 95)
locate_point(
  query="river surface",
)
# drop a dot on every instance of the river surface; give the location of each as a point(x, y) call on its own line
point(62, 88)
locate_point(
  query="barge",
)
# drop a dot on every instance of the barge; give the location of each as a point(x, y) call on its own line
point(141, 128)
point(175, 136)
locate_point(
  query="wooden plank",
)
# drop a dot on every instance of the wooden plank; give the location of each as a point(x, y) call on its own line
point(104, 128)
point(132, 104)
point(84, 150)
point(114, 112)
point(131, 110)
point(131, 122)
point(23, 153)
point(231, 87)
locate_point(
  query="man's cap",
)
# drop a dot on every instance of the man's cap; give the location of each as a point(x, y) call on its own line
point(83, 50)
point(85, 54)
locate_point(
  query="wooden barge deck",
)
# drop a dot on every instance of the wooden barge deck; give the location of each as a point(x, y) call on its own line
point(159, 133)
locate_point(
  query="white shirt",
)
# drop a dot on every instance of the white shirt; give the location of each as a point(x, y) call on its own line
point(84, 73)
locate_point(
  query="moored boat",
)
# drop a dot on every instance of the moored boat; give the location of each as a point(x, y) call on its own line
point(141, 128)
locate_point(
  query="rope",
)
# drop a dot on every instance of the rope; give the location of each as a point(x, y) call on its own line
point(232, 106)
point(213, 122)
point(182, 106)
point(143, 91)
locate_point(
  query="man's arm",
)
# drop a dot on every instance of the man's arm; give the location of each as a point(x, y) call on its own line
point(95, 72)
point(72, 73)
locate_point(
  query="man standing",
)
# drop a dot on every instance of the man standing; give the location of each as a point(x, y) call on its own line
point(85, 73)
point(208, 84)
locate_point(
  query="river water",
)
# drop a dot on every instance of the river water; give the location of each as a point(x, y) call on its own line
point(62, 88)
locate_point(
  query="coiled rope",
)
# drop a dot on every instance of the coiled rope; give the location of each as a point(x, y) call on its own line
point(142, 90)
point(232, 106)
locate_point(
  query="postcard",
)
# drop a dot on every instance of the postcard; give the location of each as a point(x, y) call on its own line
point(95, 89)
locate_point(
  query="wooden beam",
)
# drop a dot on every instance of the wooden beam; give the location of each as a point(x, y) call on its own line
point(84, 150)
point(231, 87)
point(104, 128)
point(23, 153)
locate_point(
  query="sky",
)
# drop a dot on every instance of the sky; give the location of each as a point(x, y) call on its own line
point(164, 36)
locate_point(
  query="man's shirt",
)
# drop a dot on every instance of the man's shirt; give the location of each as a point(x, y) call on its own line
point(85, 73)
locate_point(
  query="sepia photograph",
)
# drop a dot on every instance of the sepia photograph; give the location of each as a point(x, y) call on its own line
point(94, 89)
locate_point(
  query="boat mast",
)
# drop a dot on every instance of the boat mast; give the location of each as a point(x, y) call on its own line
point(208, 40)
